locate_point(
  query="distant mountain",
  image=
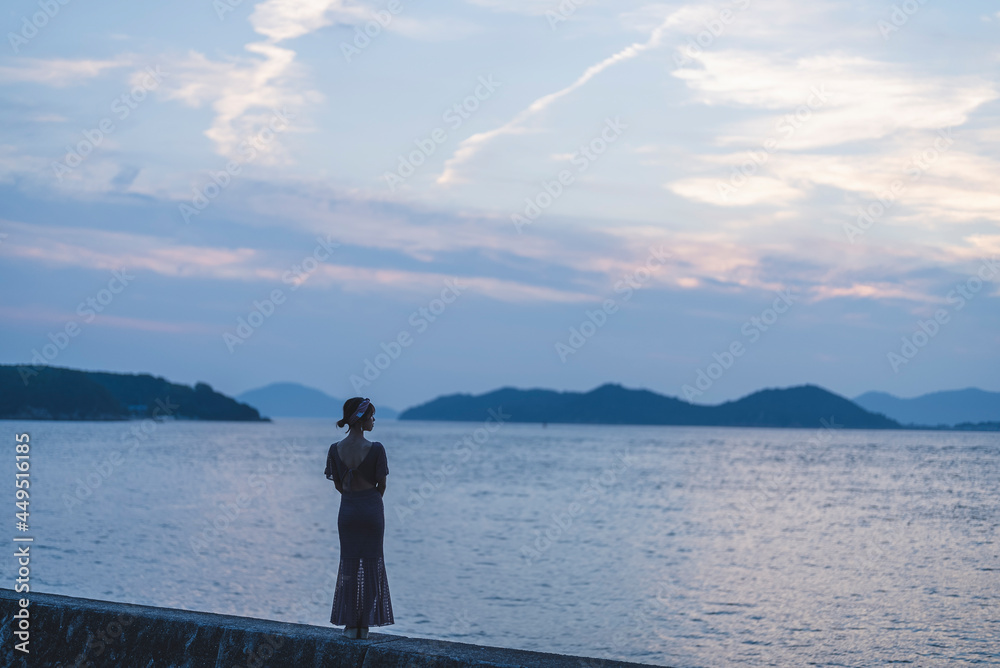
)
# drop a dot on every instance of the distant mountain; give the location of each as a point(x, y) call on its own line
point(805, 406)
point(294, 400)
point(56, 393)
point(977, 426)
point(950, 407)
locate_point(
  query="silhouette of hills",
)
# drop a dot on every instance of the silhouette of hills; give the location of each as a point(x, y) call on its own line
point(806, 406)
point(295, 400)
point(57, 393)
point(950, 407)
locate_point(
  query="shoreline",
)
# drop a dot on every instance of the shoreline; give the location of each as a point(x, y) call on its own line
point(989, 428)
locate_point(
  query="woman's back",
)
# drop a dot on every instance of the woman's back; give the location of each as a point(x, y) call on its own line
point(366, 459)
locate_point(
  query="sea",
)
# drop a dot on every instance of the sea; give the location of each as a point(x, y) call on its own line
point(672, 546)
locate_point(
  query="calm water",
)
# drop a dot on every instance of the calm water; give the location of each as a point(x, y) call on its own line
point(665, 545)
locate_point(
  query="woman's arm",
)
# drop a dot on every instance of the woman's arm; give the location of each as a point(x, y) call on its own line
point(336, 483)
point(381, 470)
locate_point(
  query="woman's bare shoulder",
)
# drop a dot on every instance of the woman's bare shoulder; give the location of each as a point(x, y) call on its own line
point(347, 447)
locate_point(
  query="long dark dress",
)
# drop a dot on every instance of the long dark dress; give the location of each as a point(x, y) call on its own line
point(361, 597)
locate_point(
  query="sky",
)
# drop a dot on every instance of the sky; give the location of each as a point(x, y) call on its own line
point(401, 200)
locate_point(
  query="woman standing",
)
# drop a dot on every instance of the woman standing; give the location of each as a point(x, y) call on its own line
point(358, 468)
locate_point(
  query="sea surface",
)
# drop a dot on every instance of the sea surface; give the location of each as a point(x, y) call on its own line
point(679, 546)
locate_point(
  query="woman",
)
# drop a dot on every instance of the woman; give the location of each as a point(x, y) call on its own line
point(358, 468)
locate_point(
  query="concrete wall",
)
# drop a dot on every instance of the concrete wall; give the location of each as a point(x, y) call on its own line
point(68, 631)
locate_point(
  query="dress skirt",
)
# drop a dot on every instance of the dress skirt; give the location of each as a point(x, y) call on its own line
point(361, 598)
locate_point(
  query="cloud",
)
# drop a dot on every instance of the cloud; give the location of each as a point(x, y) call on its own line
point(368, 279)
point(105, 250)
point(14, 163)
point(90, 248)
point(48, 118)
point(876, 123)
point(757, 190)
point(886, 290)
point(938, 183)
point(831, 99)
point(659, 21)
point(58, 72)
point(41, 315)
point(245, 94)
point(279, 20)
point(517, 125)
point(526, 7)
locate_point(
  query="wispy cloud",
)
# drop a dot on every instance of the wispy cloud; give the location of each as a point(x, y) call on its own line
point(41, 315)
point(527, 7)
point(518, 124)
point(59, 72)
point(105, 250)
point(90, 248)
point(366, 279)
point(244, 92)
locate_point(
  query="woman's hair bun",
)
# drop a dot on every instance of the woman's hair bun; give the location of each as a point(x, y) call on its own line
point(350, 406)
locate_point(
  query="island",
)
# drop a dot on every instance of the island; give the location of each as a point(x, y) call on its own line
point(57, 393)
point(805, 406)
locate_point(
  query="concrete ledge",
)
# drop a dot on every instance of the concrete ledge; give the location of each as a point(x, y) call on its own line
point(68, 631)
